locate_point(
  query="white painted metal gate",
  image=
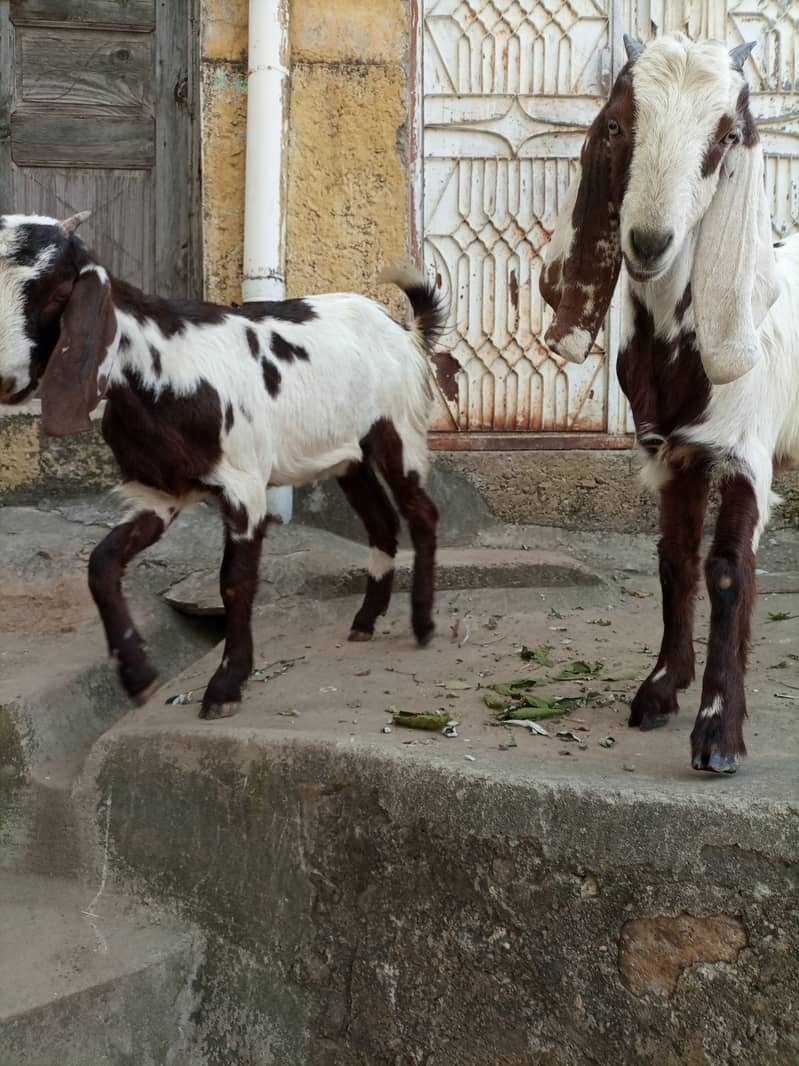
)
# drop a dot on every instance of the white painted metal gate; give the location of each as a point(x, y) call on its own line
point(508, 89)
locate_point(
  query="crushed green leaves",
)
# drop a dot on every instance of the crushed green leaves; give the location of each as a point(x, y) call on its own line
point(538, 655)
point(431, 720)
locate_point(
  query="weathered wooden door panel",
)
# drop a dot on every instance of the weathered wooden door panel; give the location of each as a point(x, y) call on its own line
point(509, 89)
point(96, 113)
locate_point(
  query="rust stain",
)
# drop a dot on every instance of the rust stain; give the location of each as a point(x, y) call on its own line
point(653, 952)
point(447, 368)
point(514, 290)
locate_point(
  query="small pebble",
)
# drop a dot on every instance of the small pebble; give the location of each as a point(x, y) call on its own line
point(386, 728)
point(628, 766)
point(471, 758)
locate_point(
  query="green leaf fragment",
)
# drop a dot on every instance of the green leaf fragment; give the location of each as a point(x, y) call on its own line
point(578, 670)
point(419, 719)
point(538, 655)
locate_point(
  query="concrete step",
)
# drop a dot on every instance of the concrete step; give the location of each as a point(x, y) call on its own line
point(321, 566)
point(86, 980)
point(497, 897)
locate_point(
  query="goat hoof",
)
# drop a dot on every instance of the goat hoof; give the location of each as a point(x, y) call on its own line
point(213, 711)
point(652, 706)
point(359, 635)
point(655, 721)
point(424, 635)
point(140, 698)
point(716, 762)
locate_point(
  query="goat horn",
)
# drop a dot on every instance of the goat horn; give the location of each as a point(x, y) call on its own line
point(740, 54)
point(69, 225)
point(632, 47)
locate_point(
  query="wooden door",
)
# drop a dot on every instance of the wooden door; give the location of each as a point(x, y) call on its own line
point(97, 107)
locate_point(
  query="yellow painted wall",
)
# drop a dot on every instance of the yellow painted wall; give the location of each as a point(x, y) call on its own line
point(348, 179)
point(224, 127)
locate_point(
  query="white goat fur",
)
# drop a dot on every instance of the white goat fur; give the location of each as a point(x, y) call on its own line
point(362, 366)
point(755, 419)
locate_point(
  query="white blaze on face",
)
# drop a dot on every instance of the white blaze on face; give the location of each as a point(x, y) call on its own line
point(682, 91)
point(16, 347)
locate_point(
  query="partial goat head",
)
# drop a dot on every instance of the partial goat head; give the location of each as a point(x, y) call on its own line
point(672, 158)
point(57, 322)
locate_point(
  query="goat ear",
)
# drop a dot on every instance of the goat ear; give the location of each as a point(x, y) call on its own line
point(582, 260)
point(77, 373)
point(734, 281)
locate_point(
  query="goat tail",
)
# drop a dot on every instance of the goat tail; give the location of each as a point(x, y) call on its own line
point(428, 305)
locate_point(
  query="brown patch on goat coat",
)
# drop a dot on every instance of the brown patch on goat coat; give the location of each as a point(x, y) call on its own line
point(155, 355)
point(285, 350)
point(594, 259)
point(664, 380)
point(253, 342)
point(172, 317)
point(716, 150)
point(447, 368)
point(167, 441)
point(272, 377)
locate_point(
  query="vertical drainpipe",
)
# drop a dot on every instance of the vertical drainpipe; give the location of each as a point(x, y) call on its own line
point(265, 183)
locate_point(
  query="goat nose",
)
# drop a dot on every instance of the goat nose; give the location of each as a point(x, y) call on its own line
point(649, 245)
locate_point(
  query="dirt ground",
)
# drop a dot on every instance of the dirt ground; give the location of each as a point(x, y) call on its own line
point(324, 686)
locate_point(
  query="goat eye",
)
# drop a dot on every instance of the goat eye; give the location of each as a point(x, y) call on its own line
point(614, 129)
point(731, 138)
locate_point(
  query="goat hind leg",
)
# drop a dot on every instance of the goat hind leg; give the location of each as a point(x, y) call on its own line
point(683, 501)
point(368, 499)
point(421, 514)
point(106, 567)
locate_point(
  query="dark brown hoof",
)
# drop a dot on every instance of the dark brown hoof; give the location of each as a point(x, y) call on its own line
point(653, 706)
point(219, 710)
point(358, 636)
point(424, 636)
point(716, 762)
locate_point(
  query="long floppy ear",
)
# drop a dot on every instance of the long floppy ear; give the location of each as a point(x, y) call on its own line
point(77, 373)
point(734, 281)
point(582, 260)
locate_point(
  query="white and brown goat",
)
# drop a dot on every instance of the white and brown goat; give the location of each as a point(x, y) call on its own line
point(671, 182)
point(206, 401)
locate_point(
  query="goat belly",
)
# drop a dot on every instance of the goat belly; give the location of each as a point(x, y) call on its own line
point(298, 469)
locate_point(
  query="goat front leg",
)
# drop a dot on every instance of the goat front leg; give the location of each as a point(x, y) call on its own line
point(106, 567)
point(238, 583)
point(683, 501)
point(717, 742)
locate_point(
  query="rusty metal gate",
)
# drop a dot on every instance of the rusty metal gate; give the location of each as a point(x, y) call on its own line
point(506, 90)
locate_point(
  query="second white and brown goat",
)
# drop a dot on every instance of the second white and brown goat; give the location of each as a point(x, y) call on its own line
point(671, 183)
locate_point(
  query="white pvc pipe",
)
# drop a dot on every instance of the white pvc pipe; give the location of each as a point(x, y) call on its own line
point(265, 185)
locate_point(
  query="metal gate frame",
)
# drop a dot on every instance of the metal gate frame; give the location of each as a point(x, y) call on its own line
point(504, 441)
